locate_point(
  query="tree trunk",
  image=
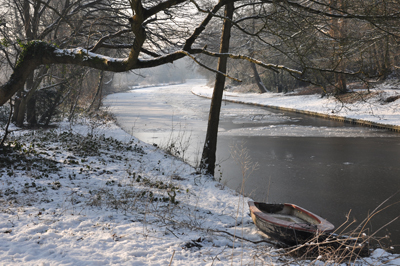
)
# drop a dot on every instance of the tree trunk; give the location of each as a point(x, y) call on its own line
point(100, 98)
point(338, 32)
point(253, 66)
point(23, 101)
point(8, 124)
point(31, 110)
point(259, 83)
point(77, 96)
point(27, 105)
point(386, 66)
point(21, 113)
point(340, 83)
point(210, 146)
point(17, 102)
point(98, 92)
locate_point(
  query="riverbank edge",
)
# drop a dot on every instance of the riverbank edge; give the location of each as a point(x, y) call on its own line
point(348, 120)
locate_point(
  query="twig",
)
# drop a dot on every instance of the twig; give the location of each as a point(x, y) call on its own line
point(171, 258)
point(216, 257)
point(172, 232)
point(376, 210)
point(248, 240)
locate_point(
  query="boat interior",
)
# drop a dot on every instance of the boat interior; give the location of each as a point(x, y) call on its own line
point(287, 213)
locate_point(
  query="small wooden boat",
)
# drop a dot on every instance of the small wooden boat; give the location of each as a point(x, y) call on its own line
point(288, 223)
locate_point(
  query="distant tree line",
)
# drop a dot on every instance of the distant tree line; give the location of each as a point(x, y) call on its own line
point(333, 43)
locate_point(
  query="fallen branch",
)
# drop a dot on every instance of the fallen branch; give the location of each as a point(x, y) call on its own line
point(245, 239)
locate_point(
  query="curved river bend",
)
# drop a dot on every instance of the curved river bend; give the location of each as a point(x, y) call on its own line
point(325, 166)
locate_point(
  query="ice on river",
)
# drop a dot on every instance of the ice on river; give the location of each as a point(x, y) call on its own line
point(308, 131)
point(170, 108)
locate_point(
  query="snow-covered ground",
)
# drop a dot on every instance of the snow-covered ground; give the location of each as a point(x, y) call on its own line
point(68, 197)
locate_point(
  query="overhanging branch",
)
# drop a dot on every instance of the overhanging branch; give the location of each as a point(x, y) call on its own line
point(272, 67)
point(209, 68)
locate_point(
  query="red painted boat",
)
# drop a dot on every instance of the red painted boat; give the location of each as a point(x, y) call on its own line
point(288, 223)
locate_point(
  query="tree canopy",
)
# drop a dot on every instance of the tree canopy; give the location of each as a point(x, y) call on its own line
point(318, 41)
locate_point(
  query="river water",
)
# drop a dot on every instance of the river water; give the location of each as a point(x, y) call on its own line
point(325, 166)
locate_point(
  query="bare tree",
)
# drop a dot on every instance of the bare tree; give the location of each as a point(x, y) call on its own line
point(59, 23)
point(210, 145)
point(151, 38)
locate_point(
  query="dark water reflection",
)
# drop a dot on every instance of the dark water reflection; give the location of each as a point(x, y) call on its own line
point(325, 166)
point(329, 176)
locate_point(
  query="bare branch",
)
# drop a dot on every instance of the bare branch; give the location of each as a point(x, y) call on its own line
point(109, 36)
point(209, 68)
point(162, 6)
point(273, 67)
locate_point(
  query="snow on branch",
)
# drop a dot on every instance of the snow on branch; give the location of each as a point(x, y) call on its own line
point(273, 67)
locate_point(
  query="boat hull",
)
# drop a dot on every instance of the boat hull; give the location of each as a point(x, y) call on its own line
point(288, 223)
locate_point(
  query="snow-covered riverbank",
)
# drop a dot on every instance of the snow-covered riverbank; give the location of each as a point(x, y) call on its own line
point(69, 198)
point(101, 201)
point(374, 108)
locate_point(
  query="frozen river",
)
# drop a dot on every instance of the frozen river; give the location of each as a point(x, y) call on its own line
point(328, 167)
